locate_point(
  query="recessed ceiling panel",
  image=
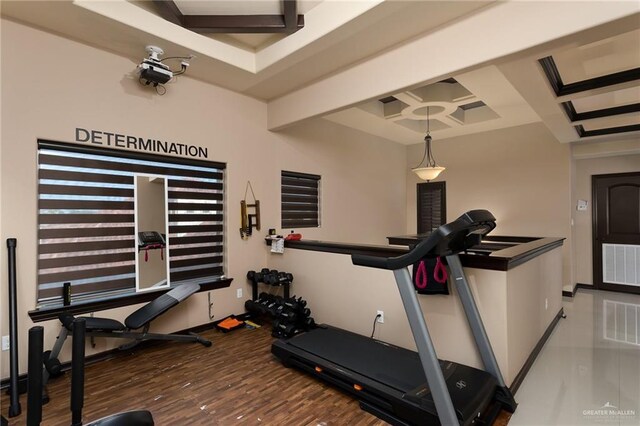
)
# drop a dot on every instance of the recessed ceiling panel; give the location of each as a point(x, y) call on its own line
point(630, 95)
point(478, 115)
point(420, 126)
point(615, 121)
point(236, 7)
point(601, 58)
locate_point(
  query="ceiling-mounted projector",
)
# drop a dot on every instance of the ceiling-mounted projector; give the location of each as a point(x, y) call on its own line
point(152, 70)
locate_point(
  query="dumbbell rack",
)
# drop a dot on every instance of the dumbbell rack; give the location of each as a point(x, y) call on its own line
point(254, 289)
point(289, 315)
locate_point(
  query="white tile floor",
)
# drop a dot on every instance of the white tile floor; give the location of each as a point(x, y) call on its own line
point(589, 370)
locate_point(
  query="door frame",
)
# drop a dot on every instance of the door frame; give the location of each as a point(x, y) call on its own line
point(596, 253)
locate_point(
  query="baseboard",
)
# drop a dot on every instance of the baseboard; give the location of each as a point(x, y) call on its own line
point(583, 286)
point(102, 356)
point(575, 289)
point(534, 354)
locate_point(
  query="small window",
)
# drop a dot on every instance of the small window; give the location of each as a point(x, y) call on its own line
point(300, 200)
point(91, 234)
point(432, 206)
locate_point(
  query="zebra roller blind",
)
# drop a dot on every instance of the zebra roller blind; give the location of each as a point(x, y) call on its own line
point(300, 200)
point(86, 220)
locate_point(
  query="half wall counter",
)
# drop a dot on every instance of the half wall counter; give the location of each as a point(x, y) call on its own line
point(516, 281)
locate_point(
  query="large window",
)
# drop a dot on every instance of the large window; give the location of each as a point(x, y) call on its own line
point(90, 210)
point(300, 200)
point(432, 206)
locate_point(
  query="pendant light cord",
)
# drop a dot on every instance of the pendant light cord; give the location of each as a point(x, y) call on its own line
point(427, 148)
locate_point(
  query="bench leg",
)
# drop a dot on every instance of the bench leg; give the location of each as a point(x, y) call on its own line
point(55, 352)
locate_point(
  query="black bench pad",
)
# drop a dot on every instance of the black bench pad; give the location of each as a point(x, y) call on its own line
point(93, 323)
point(160, 305)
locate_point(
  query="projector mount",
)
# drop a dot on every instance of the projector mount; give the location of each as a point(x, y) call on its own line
point(153, 72)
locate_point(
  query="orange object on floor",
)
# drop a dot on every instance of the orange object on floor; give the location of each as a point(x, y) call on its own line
point(229, 323)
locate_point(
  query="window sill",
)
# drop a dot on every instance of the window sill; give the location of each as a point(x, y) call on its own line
point(38, 315)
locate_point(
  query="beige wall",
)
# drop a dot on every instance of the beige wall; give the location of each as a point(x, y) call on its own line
point(520, 174)
point(534, 297)
point(89, 88)
point(584, 169)
point(363, 180)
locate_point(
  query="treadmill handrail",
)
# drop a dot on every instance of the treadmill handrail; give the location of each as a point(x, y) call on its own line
point(451, 238)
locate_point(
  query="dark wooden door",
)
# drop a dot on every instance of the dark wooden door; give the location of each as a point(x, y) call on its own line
point(432, 206)
point(616, 232)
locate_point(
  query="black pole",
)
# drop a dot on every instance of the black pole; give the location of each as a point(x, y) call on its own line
point(14, 404)
point(77, 371)
point(34, 395)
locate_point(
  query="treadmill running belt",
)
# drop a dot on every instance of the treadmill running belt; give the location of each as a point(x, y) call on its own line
point(391, 365)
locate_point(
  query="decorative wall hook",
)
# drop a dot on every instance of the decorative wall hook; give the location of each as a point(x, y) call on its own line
point(249, 221)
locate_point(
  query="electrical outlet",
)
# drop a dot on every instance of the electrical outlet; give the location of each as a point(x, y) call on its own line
point(239, 293)
point(5, 343)
point(380, 317)
point(546, 303)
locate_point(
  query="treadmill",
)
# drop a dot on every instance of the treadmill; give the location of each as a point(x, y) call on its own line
point(400, 386)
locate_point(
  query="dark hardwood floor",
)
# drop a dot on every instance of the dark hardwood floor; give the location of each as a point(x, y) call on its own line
point(236, 381)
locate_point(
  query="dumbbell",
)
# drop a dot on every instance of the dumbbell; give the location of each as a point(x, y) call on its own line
point(255, 277)
point(263, 302)
point(296, 305)
point(252, 306)
point(276, 310)
point(308, 323)
point(262, 306)
point(288, 316)
point(285, 276)
point(258, 277)
point(257, 305)
point(267, 273)
point(280, 278)
point(305, 312)
point(272, 277)
point(272, 306)
point(281, 329)
point(265, 298)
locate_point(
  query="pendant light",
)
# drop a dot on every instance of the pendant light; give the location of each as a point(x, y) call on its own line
point(430, 170)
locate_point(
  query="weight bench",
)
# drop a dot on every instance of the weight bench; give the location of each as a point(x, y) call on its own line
point(141, 318)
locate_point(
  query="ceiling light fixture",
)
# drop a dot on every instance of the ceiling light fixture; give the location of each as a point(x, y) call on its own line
point(430, 170)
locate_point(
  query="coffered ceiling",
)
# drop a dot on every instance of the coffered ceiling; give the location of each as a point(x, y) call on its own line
point(376, 65)
point(586, 90)
point(604, 65)
point(471, 102)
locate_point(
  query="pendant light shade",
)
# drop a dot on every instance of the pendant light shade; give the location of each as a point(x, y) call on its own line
point(428, 173)
point(428, 170)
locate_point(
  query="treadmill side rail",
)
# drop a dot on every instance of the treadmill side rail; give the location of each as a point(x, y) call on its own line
point(426, 350)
